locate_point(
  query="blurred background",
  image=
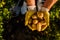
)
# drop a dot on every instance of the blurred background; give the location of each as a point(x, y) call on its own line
point(12, 22)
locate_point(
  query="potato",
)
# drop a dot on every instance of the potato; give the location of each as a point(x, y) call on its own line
point(40, 15)
point(39, 26)
point(35, 21)
point(34, 26)
point(43, 22)
point(34, 17)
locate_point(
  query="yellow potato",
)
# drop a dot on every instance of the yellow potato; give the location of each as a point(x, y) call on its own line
point(34, 26)
point(43, 22)
point(40, 15)
point(35, 21)
point(34, 17)
point(39, 26)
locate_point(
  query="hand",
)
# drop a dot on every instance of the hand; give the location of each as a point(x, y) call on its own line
point(31, 8)
point(27, 18)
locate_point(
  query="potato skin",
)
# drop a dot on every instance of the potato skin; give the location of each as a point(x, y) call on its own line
point(35, 21)
point(43, 22)
point(40, 15)
point(39, 26)
point(34, 26)
point(34, 17)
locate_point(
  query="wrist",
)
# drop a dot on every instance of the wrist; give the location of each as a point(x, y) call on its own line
point(44, 9)
point(31, 7)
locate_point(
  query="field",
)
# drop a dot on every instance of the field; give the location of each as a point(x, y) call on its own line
point(12, 26)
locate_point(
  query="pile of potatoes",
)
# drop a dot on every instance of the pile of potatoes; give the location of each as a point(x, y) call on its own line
point(37, 21)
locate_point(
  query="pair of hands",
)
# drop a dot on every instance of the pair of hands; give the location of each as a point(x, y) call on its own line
point(37, 24)
point(31, 11)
